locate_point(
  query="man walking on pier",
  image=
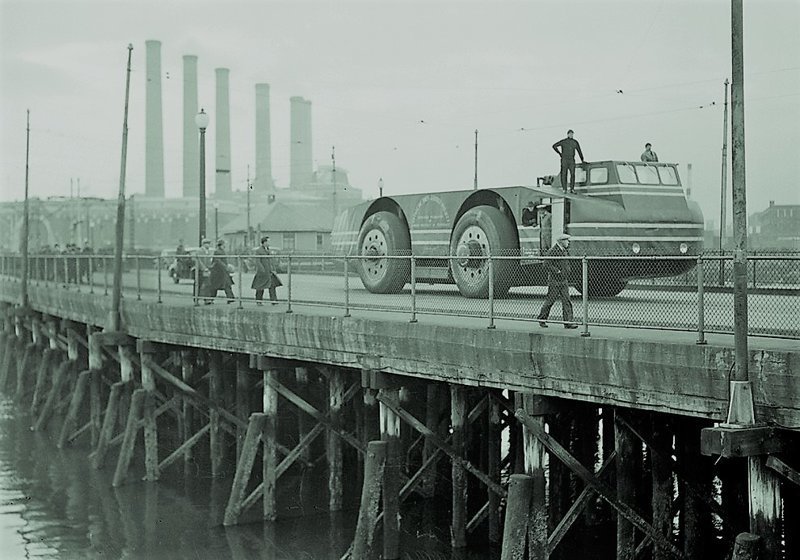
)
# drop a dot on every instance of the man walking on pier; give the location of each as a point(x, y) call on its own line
point(557, 287)
point(265, 278)
point(568, 147)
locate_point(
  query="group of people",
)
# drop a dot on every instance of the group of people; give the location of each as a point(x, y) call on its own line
point(566, 148)
point(215, 273)
point(68, 264)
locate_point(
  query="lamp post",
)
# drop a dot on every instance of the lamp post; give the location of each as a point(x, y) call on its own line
point(216, 221)
point(201, 120)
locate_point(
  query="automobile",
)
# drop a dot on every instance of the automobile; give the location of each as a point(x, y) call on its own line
point(180, 268)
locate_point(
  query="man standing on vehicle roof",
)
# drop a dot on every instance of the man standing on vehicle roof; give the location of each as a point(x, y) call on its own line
point(558, 270)
point(568, 147)
point(648, 155)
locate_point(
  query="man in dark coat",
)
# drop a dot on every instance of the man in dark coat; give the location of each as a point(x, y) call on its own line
point(568, 147)
point(265, 277)
point(219, 277)
point(557, 287)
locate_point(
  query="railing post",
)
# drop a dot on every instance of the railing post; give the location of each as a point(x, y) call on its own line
point(491, 292)
point(66, 272)
point(701, 311)
point(754, 273)
point(105, 275)
point(585, 295)
point(289, 285)
point(158, 275)
point(138, 278)
point(413, 290)
point(196, 281)
point(90, 268)
point(239, 267)
point(347, 289)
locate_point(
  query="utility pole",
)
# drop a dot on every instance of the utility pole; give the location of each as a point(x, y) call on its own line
point(249, 188)
point(475, 182)
point(116, 294)
point(333, 161)
point(724, 182)
point(25, 223)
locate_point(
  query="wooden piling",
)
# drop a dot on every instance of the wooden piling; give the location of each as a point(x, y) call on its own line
point(270, 461)
point(374, 468)
point(129, 440)
point(43, 372)
point(243, 389)
point(187, 410)
point(109, 422)
point(493, 464)
point(662, 488)
point(53, 396)
point(427, 486)
point(29, 358)
point(303, 421)
point(535, 454)
point(626, 475)
point(334, 443)
point(765, 506)
point(71, 420)
point(747, 547)
point(244, 467)
point(515, 530)
point(696, 529)
point(215, 396)
point(390, 433)
point(458, 412)
point(150, 429)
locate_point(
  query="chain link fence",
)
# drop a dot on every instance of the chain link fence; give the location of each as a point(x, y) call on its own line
point(675, 293)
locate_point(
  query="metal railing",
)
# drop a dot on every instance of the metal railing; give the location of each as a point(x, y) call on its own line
point(697, 298)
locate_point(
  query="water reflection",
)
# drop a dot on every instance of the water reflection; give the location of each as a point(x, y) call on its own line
point(54, 505)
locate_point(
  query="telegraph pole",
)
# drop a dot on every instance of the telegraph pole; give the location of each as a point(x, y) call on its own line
point(249, 188)
point(333, 161)
point(25, 224)
point(475, 181)
point(116, 294)
point(724, 184)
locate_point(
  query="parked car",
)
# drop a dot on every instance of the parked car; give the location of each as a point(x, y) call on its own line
point(181, 267)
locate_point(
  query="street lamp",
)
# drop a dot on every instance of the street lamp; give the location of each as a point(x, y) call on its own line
point(201, 120)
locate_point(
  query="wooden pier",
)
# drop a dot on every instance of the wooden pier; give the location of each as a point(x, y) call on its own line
point(543, 445)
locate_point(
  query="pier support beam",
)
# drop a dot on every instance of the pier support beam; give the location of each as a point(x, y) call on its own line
point(336, 388)
point(458, 411)
point(269, 461)
point(626, 473)
point(390, 433)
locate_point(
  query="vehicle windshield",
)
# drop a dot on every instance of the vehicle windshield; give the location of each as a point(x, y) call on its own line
point(644, 174)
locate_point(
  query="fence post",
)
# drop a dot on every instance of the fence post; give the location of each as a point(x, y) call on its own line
point(346, 289)
point(289, 284)
point(66, 272)
point(491, 292)
point(105, 275)
point(91, 273)
point(754, 273)
point(197, 281)
point(239, 267)
point(138, 278)
point(701, 311)
point(585, 295)
point(413, 290)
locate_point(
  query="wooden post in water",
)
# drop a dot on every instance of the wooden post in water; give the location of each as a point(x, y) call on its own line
point(129, 440)
point(626, 476)
point(269, 461)
point(96, 364)
point(215, 396)
point(149, 414)
point(515, 531)
point(458, 413)
point(303, 422)
point(493, 465)
point(244, 468)
point(374, 469)
point(390, 433)
point(334, 443)
point(695, 521)
point(432, 413)
point(243, 388)
point(765, 506)
point(661, 472)
point(535, 407)
point(187, 411)
point(747, 547)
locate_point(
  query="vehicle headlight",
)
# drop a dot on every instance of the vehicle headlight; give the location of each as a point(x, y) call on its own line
point(683, 248)
point(636, 248)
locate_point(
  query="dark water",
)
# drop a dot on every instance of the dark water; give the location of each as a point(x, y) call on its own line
point(54, 505)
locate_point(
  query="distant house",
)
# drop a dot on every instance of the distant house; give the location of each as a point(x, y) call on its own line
point(300, 228)
point(777, 227)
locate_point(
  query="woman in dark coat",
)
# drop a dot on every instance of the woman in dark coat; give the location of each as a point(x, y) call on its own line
point(265, 278)
point(220, 278)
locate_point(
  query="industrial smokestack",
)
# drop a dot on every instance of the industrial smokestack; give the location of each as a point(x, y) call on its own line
point(300, 138)
point(223, 135)
point(263, 181)
point(191, 149)
point(154, 133)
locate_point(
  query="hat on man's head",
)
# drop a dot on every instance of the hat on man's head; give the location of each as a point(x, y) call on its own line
point(563, 236)
point(570, 131)
point(220, 242)
point(265, 238)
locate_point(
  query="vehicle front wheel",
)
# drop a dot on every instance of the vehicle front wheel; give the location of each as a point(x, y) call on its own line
point(384, 235)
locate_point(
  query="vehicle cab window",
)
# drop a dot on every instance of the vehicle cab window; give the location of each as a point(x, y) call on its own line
point(598, 176)
point(647, 174)
point(668, 175)
point(626, 173)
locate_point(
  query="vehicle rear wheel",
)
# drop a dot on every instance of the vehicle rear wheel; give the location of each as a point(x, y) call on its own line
point(383, 235)
point(482, 231)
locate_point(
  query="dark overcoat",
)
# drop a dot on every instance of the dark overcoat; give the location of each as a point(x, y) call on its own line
point(219, 279)
point(265, 277)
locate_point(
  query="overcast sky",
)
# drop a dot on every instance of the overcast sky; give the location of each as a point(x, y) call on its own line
point(398, 87)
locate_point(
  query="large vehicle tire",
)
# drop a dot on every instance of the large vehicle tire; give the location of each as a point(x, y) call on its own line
point(482, 231)
point(384, 234)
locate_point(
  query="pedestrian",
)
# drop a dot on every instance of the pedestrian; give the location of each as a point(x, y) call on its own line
point(545, 227)
point(204, 260)
point(219, 277)
point(529, 214)
point(558, 271)
point(265, 277)
point(648, 155)
point(568, 147)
